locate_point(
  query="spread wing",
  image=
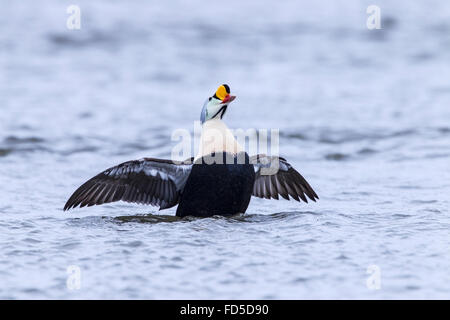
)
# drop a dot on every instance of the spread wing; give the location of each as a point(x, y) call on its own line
point(148, 181)
point(275, 176)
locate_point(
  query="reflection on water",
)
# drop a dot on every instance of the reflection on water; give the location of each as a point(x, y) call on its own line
point(363, 115)
point(238, 218)
point(149, 218)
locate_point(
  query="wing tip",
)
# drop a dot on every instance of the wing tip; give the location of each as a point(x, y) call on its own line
point(68, 206)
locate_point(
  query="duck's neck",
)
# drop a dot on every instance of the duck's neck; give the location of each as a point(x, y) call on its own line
point(216, 137)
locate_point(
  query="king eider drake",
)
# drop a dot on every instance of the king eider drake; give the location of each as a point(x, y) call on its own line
point(220, 180)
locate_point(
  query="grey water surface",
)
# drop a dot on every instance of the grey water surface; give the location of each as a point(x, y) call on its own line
point(363, 114)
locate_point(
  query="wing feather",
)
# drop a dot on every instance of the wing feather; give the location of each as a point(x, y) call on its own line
point(275, 176)
point(149, 181)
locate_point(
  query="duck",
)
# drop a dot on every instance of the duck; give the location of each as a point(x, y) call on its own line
point(219, 180)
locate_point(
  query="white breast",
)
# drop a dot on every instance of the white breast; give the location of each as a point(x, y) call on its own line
point(216, 137)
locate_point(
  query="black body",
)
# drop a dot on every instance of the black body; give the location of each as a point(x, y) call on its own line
point(219, 184)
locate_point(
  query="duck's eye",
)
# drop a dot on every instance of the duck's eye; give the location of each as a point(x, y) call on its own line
point(209, 98)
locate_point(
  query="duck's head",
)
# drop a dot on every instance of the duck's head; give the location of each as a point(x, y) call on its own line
point(216, 106)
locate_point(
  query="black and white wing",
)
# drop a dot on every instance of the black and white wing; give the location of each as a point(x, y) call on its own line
point(275, 176)
point(148, 181)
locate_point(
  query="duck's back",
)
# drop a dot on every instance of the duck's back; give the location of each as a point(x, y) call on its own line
point(219, 184)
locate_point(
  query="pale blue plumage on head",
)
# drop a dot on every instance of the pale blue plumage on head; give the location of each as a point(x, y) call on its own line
point(204, 112)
